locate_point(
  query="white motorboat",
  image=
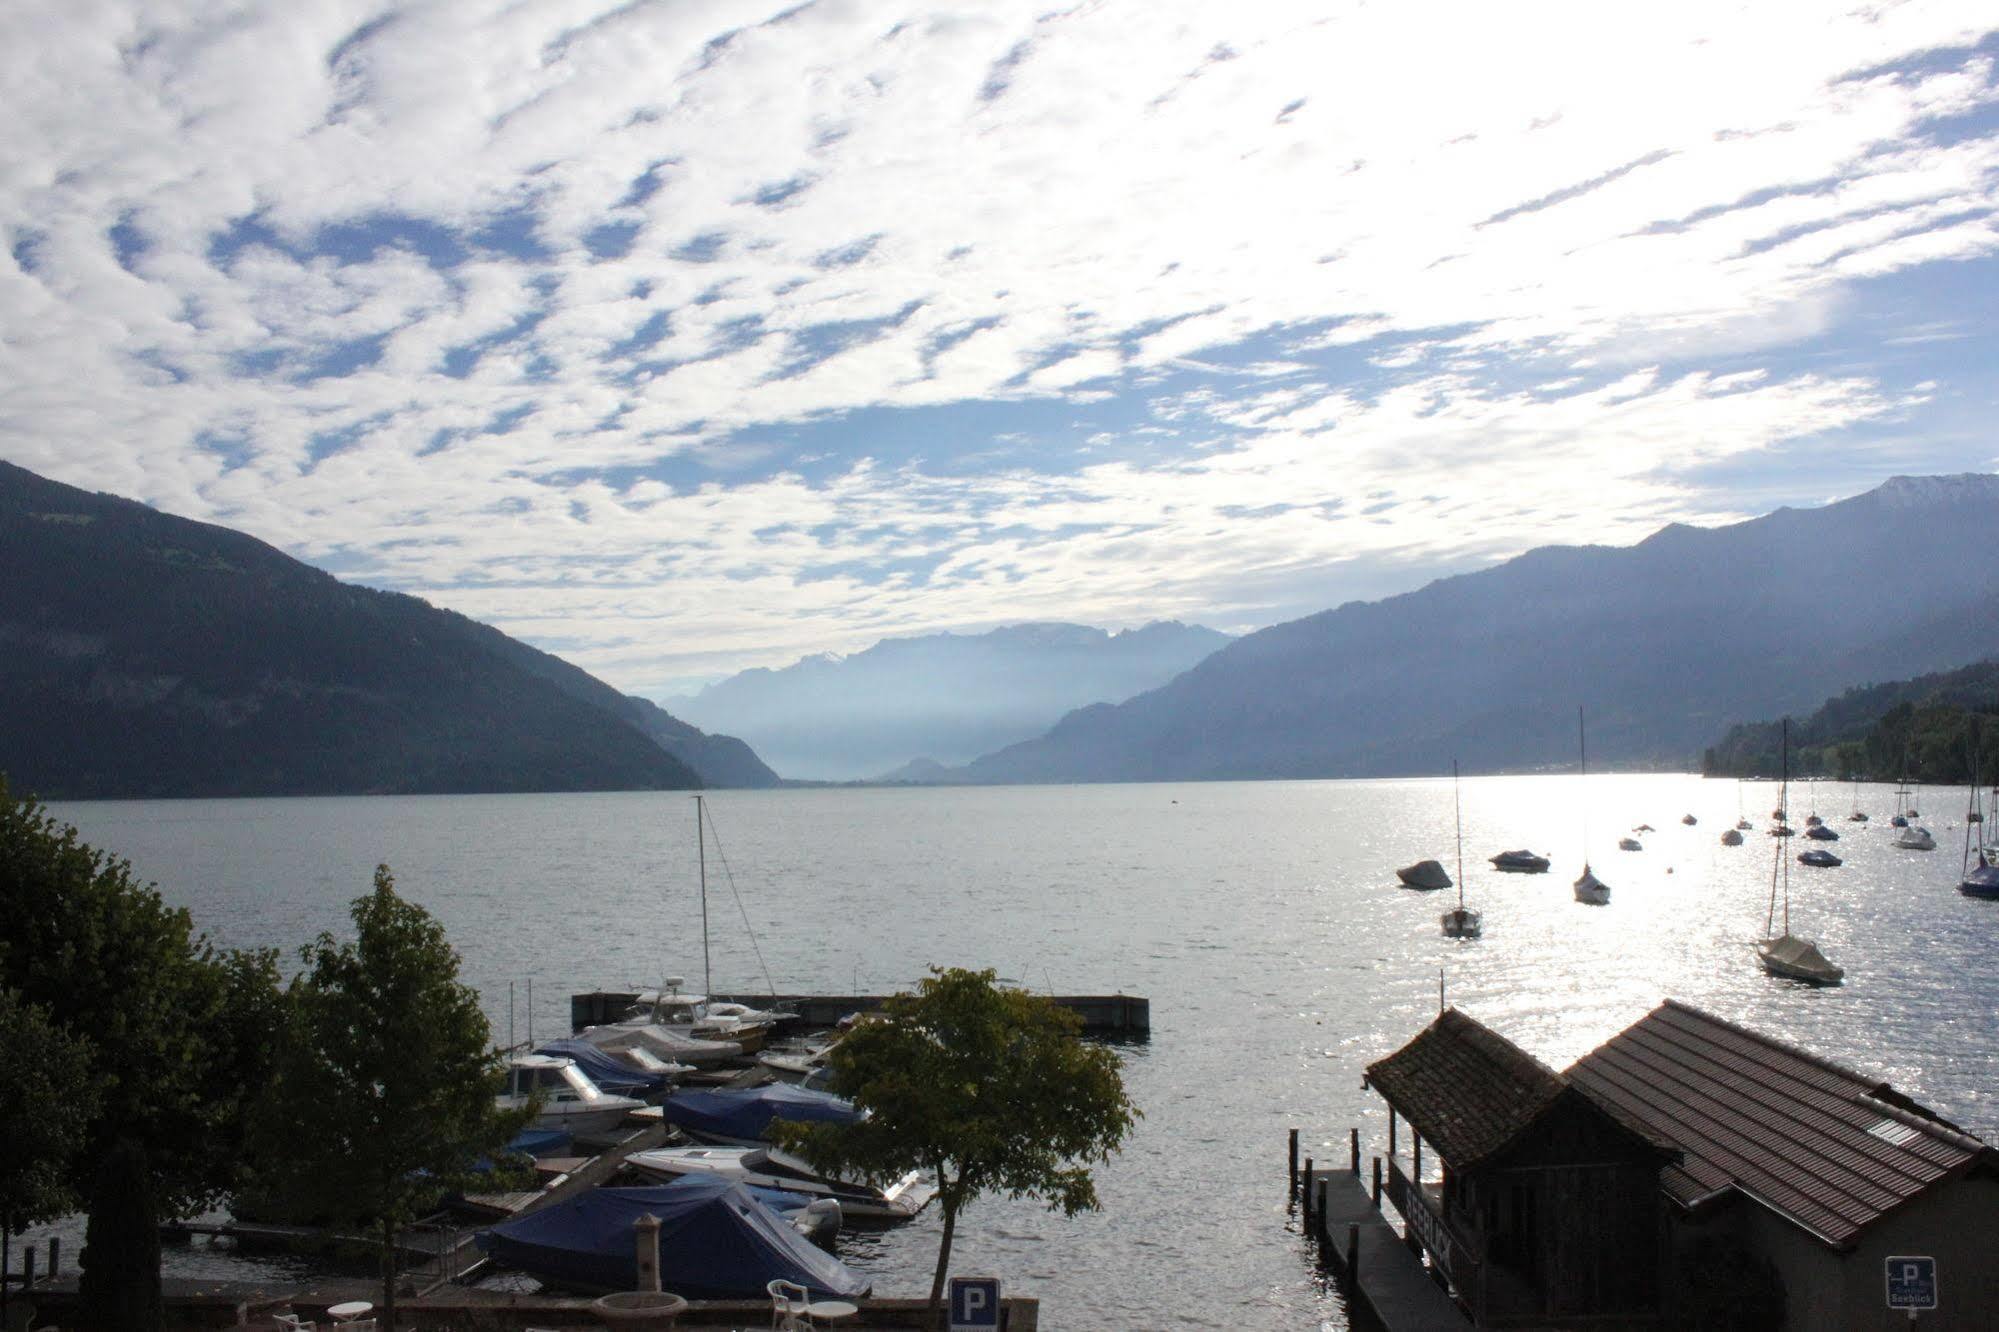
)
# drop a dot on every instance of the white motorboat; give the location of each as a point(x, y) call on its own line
point(691, 1015)
point(768, 1167)
point(663, 1043)
point(569, 1099)
point(1914, 837)
point(1427, 875)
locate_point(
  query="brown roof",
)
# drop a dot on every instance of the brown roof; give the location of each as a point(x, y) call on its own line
point(1830, 1149)
point(1468, 1090)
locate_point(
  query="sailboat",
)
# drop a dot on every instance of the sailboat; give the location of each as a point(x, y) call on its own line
point(1589, 888)
point(1857, 816)
point(1982, 878)
point(1785, 954)
point(1460, 922)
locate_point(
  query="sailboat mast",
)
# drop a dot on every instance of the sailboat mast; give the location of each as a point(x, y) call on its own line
point(1582, 749)
point(1784, 803)
point(1458, 819)
point(701, 845)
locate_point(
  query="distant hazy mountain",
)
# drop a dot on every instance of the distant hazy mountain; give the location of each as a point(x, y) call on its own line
point(146, 655)
point(1665, 643)
point(939, 697)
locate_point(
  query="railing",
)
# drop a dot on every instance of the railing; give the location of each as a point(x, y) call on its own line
point(1426, 1224)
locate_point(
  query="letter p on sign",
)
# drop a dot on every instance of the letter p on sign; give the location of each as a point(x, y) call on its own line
point(975, 1304)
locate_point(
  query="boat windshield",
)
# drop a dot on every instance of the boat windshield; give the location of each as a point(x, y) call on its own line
point(575, 1084)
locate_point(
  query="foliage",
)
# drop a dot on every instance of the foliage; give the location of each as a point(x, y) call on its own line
point(1941, 728)
point(385, 1081)
point(47, 1100)
point(179, 1032)
point(989, 1090)
point(119, 1289)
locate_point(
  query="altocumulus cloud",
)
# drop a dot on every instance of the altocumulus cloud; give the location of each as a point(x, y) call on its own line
point(688, 335)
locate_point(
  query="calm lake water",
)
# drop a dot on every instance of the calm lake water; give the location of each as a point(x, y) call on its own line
point(1261, 919)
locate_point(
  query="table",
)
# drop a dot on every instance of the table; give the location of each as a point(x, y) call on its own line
point(348, 1312)
point(832, 1311)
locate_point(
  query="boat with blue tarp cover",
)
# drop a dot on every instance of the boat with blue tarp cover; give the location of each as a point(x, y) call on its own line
point(742, 1116)
point(610, 1072)
point(716, 1242)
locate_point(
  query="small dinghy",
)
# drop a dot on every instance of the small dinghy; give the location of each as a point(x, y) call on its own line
point(1819, 858)
point(1689, 820)
point(1427, 875)
point(1520, 862)
point(1644, 828)
point(1630, 844)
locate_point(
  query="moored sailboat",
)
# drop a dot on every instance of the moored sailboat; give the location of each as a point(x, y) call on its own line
point(1589, 889)
point(1460, 922)
point(1786, 955)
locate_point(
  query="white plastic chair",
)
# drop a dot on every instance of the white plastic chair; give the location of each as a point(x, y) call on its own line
point(790, 1306)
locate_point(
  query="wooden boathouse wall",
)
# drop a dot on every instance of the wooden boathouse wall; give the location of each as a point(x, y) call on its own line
point(1117, 1016)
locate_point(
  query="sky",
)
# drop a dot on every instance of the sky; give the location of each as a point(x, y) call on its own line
point(679, 337)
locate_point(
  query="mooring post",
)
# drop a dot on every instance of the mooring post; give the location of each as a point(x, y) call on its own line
point(645, 1242)
point(1353, 1151)
point(1391, 1133)
point(1416, 1142)
point(1353, 1251)
point(55, 1254)
point(1294, 1163)
point(1308, 1193)
point(28, 1268)
point(1377, 1183)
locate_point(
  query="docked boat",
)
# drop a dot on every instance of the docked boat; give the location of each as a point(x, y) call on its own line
point(1731, 837)
point(1689, 820)
point(717, 1241)
point(771, 1168)
point(1786, 955)
point(570, 1101)
point(1980, 877)
point(1743, 825)
point(1630, 844)
point(693, 1016)
point(1520, 862)
point(611, 1073)
point(742, 1116)
point(1819, 832)
point(1460, 922)
point(663, 1044)
point(1589, 890)
point(1819, 858)
point(1427, 875)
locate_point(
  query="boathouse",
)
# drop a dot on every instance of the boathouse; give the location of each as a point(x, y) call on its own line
point(1545, 1206)
point(1688, 1172)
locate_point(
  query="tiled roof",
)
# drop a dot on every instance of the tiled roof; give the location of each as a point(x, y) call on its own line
point(1830, 1149)
point(1468, 1090)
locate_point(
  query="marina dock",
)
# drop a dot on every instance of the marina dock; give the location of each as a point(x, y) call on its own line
point(1374, 1263)
point(1115, 1016)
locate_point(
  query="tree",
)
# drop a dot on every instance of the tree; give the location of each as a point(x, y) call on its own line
point(178, 1032)
point(385, 1085)
point(990, 1090)
point(47, 1100)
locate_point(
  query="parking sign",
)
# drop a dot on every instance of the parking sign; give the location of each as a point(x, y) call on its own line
point(975, 1304)
point(1912, 1283)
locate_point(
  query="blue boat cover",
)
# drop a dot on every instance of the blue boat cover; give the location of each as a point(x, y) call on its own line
point(609, 1072)
point(540, 1142)
point(716, 1242)
point(746, 1112)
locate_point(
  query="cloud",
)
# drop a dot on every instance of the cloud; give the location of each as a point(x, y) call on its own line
point(529, 308)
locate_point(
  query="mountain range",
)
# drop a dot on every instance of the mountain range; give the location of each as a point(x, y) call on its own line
point(907, 707)
point(1663, 643)
point(143, 654)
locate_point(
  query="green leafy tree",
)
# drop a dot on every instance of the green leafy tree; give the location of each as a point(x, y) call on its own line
point(47, 1100)
point(384, 1094)
point(179, 1032)
point(989, 1090)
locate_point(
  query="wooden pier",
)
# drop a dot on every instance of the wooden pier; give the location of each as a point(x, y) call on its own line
point(1376, 1267)
point(1116, 1016)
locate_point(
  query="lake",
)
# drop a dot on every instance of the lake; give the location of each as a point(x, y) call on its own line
point(1262, 920)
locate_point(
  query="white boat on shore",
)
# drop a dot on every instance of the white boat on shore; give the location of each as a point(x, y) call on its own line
point(662, 1042)
point(768, 1167)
